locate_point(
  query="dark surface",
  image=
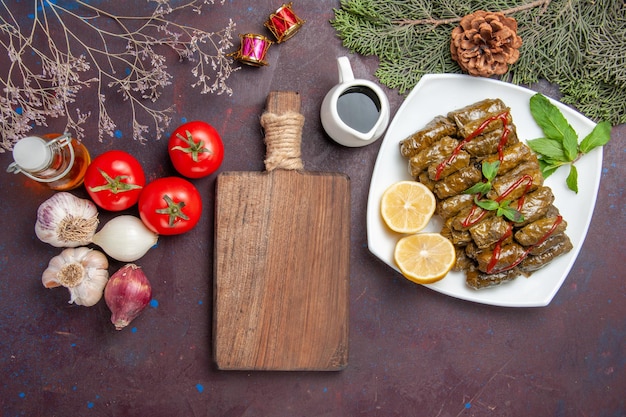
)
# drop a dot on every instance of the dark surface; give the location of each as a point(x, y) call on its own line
point(412, 351)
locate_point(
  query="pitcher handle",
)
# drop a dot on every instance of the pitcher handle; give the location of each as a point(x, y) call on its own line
point(345, 70)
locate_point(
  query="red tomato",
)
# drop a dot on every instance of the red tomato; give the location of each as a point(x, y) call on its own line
point(170, 206)
point(196, 149)
point(114, 180)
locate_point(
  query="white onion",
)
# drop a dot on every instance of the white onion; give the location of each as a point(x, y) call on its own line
point(125, 238)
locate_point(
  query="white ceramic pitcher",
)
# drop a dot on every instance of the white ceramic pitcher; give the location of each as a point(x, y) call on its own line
point(355, 112)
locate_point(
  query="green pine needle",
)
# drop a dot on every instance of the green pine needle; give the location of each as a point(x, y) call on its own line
point(576, 44)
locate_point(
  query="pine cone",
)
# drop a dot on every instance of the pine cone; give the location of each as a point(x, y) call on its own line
point(485, 43)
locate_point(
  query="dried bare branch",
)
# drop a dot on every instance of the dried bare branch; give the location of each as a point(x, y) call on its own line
point(125, 59)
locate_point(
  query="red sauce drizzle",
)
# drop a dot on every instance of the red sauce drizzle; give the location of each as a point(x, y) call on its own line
point(520, 202)
point(498, 248)
point(470, 221)
point(496, 252)
point(505, 135)
point(495, 256)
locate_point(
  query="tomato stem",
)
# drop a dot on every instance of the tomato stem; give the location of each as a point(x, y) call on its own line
point(194, 147)
point(173, 210)
point(114, 185)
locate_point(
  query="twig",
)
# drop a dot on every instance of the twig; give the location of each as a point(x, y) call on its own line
point(437, 22)
point(44, 80)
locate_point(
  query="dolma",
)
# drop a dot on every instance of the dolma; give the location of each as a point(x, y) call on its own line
point(533, 233)
point(469, 216)
point(463, 262)
point(435, 153)
point(458, 182)
point(451, 206)
point(552, 211)
point(548, 244)
point(469, 118)
point(522, 179)
point(424, 179)
point(472, 251)
point(458, 162)
point(511, 157)
point(489, 143)
point(535, 205)
point(490, 231)
point(506, 257)
point(479, 280)
point(447, 155)
point(533, 263)
point(458, 238)
point(436, 129)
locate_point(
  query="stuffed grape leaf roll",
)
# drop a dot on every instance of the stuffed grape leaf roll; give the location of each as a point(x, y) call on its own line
point(479, 280)
point(435, 153)
point(548, 244)
point(436, 129)
point(499, 259)
point(535, 205)
point(533, 263)
point(458, 182)
point(448, 166)
point(490, 231)
point(534, 232)
point(469, 118)
point(490, 142)
point(511, 157)
point(524, 178)
point(451, 206)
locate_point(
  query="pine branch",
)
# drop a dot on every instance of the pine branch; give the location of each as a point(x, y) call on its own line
point(575, 44)
point(437, 22)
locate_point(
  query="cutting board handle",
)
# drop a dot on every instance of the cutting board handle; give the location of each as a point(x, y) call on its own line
point(282, 123)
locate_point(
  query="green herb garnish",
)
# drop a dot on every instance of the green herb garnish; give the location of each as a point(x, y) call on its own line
point(490, 170)
point(584, 41)
point(560, 144)
point(501, 208)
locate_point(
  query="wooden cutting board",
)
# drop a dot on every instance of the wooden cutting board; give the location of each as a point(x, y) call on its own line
point(282, 251)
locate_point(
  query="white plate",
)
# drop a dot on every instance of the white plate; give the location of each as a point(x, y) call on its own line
point(437, 95)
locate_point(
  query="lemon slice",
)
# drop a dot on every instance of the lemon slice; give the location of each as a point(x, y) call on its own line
point(407, 206)
point(424, 257)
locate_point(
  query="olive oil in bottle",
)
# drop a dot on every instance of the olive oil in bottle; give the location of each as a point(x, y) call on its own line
point(59, 161)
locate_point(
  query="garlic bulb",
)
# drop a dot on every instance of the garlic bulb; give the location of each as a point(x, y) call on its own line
point(82, 271)
point(67, 221)
point(127, 293)
point(125, 238)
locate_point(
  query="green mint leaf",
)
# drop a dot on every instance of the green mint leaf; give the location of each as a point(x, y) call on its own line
point(554, 124)
point(508, 212)
point(570, 143)
point(550, 148)
point(548, 167)
point(479, 188)
point(572, 179)
point(486, 204)
point(599, 136)
point(511, 214)
point(490, 169)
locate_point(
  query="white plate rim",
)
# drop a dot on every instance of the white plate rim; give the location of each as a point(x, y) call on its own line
point(462, 90)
